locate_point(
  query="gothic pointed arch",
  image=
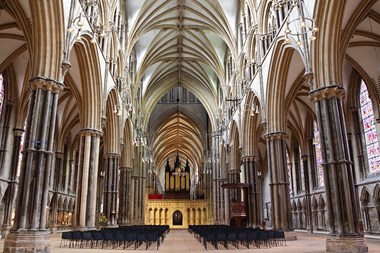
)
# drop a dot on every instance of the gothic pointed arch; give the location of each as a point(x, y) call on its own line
point(251, 124)
point(113, 114)
point(234, 148)
point(276, 118)
point(91, 88)
point(328, 41)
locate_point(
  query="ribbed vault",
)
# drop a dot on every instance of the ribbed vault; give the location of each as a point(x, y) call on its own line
point(180, 43)
point(178, 133)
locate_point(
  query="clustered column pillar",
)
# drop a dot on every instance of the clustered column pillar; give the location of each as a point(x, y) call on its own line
point(124, 193)
point(135, 200)
point(56, 184)
point(216, 181)
point(139, 198)
point(29, 229)
point(251, 177)
point(279, 181)
point(111, 166)
point(10, 197)
point(345, 235)
point(85, 206)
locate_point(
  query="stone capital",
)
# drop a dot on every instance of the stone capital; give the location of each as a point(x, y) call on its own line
point(327, 92)
point(111, 155)
point(248, 158)
point(59, 155)
point(18, 132)
point(275, 136)
point(127, 169)
point(103, 122)
point(91, 132)
point(66, 66)
point(46, 84)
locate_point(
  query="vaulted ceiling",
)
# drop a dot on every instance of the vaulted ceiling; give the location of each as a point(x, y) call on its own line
point(181, 43)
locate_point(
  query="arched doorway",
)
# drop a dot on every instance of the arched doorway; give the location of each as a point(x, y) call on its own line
point(177, 218)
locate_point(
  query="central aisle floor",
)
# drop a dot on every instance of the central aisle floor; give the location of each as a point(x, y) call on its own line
point(181, 241)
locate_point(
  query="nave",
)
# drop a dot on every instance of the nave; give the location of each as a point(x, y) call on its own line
point(180, 240)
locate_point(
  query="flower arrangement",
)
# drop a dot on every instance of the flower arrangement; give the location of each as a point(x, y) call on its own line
point(103, 219)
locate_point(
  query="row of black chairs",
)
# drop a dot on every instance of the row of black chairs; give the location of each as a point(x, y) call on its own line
point(226, 235)
point(117, 237)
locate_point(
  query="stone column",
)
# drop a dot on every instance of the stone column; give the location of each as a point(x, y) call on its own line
point(250, 166)
point(29, 230)
point(214, 178)
point(124, 193)
point(12, 185)
point(308, 214)
point(84, 216)
point(4, 134)
point(141, 209)
point(131, 213)
point(343, 218)
point(71, 188)
point(56, 187)
point(111, 166)
point(279, 181)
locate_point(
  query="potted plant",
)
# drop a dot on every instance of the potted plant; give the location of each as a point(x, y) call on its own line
point(103, 219)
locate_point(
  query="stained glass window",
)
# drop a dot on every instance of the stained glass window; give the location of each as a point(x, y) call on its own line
point(318, 155)
point(289, 166)
point(1, 93)
point(369, 126)
point(302, 173)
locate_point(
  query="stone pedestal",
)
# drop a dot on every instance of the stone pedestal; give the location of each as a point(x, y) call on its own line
point(5, 230)
point(346, 244)
point(53, 229)
point(110, 226)
point(27, 241)
point(290, 235)
point(83, 228)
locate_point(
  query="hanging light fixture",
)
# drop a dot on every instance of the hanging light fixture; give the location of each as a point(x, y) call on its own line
point(301, 31)
point(178, 171)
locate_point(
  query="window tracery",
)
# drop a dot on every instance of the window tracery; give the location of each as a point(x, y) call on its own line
point(369, 129)
point(1, 93)
point(318, 155)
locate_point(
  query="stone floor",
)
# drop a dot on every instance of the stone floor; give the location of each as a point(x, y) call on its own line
point(180, 241)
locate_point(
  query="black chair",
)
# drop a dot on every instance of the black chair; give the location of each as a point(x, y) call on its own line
point(118, 239)
point(221, 238)
point(130, 238)
point(141, 238)
point(86, 239)
point(262, 239)
point(280, 237)
point(96, 237)
point(66, 237)
point(209, 237)
point(107, 237)
point(76, 237)
point(252, 238)
point(271, 239)
point(242, 238)
point(231, 238)
point(153, 237)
